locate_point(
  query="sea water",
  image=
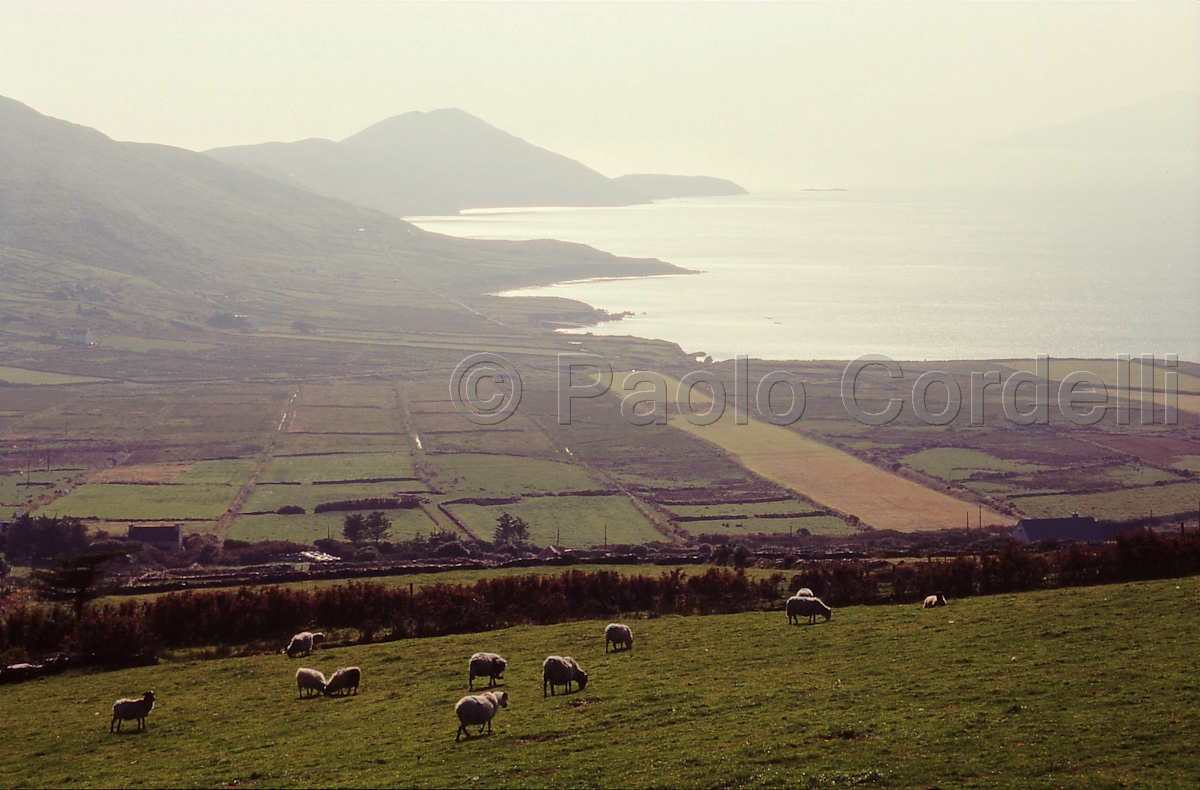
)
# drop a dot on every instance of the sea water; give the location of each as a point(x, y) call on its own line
point(913, 274)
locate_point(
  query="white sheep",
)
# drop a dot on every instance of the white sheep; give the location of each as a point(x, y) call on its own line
point(937, 599)
point(130, 709)
point(618, 634)
point(486, 665)
point(309, 680)
point(478, 710)
point(805, 592)
point(342, 681)
point(561, 671)
point(801, 606)
point(303, 642)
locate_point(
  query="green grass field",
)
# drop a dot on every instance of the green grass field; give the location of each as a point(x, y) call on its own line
point(575, 522)
point(1124, 504)
point(307, 496)
point(1086, 688)
point(342, 466)
point(309, 527)
point(118, 502)
point(817, 525)
point(952, 463)
point(503, 475)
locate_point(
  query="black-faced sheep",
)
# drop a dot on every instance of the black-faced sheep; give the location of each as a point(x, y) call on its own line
point(618, 634)
point(937, 599)
point(130, 709)
point(561, 671)
point(478, 710)
point(486, 665)
point(303, 642)
point(343, 681)
point(803, 606)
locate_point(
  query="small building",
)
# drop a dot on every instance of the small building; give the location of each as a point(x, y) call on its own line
point(1081, 529)
point(80, 337)
point(550, 553)
point(161, 536)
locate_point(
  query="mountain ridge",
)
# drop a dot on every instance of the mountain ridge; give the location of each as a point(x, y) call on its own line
point(447, 160)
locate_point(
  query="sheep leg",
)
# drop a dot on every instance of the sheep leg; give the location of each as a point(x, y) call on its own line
point(462, 730)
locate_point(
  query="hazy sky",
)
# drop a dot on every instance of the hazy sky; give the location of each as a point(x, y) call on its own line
point(771, 95)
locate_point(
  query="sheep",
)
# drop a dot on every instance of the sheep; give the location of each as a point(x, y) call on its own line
point(309, 680)
point(561, 671)
point(618, 634)
point(342, 681)
point(805, 592)
point(486, 665)
point(937, 599)
point(303, 642)
point(800, 606)
point(130, 709)
point(478, 710)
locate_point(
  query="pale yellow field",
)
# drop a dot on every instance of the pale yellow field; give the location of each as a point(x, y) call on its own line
point(830, 476)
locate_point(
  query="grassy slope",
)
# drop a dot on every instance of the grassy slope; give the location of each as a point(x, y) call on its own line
point(1088, 688)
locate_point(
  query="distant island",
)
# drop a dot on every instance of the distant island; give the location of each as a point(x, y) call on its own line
point(444, 161)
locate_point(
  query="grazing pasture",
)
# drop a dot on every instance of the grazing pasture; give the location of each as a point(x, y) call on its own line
point(468, 474)
point(340, 466)
point(124, 502)
point(306, 528)
point(574, 522)
point(1080, 688)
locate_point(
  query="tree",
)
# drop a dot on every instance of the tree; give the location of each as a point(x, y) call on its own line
point(376, 526)
point(511, 532)
point(354, 528)
point(77, 579)
point(38, 540)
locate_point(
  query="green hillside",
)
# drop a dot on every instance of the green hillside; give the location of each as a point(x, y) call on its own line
point(1082, 688)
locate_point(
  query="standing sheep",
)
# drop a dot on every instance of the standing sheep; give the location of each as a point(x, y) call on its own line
point(342, 681)
point(618, 634)
point(478, 710)
point(937, 599)
point(561, 671)
point(486, 665)
point(130, 709)
point(801, 606)
point(303, 642)
point(805, 592)
point(309, 680)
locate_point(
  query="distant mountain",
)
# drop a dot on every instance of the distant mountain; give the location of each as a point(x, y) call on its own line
point(444, 161)
point(1164, 124)
point(159, 230)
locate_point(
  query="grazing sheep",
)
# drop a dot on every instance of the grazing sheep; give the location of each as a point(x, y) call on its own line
point(342, 681)
point(130, 709)
point(486, 665)
point(561, 671)
point(478, 710)
point(800, 606)
point(309, 680)
point(303, 642)
point(618, 634)
point(937, 599)
point(805, 592)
